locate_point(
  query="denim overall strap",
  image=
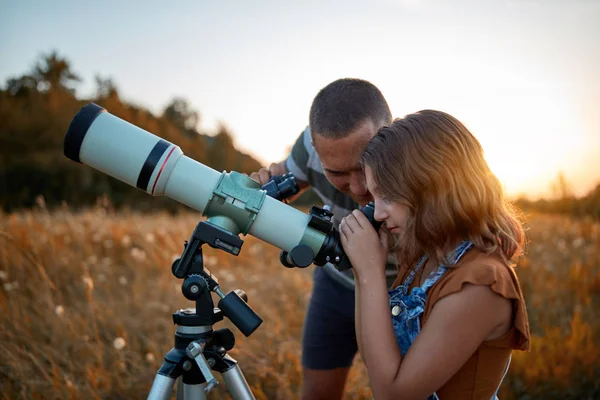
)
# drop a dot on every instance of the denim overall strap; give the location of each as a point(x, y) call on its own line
point(460, 251)
point(409, 279)
point(433, 278)
point(456, 255)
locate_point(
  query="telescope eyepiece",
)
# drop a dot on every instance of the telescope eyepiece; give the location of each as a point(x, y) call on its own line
point(369, 212)
point(281, 187)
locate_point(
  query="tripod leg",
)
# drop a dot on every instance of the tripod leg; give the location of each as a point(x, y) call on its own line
point(237, 384)
point(194, 392)
point(161, 388)
point(179, 394)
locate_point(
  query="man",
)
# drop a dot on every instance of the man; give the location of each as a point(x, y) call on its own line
point(344, 116)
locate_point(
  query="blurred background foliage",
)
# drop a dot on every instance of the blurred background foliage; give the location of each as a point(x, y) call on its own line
point(36, 109)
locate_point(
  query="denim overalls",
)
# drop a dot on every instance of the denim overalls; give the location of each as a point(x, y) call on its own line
point(407, 309)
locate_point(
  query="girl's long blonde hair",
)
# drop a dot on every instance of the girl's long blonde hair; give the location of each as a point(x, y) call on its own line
point(432, 163)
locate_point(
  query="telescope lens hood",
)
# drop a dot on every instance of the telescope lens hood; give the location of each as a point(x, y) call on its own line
point(78, 129)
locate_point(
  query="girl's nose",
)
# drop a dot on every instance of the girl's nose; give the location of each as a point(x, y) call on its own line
point(379, 213)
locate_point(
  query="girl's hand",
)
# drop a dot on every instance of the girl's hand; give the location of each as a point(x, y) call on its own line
point(366, 249)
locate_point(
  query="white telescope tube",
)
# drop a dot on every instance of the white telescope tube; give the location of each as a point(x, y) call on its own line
point(139, 158)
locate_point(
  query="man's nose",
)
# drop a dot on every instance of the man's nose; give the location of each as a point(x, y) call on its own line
point(358, 184)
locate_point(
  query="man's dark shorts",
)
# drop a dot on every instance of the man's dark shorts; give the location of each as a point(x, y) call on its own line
point(329, 334)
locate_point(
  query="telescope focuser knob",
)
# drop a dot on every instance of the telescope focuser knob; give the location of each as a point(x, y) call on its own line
point(300, 256)
point(283, 259)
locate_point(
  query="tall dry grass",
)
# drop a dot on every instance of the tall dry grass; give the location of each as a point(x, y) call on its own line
point(86, 300)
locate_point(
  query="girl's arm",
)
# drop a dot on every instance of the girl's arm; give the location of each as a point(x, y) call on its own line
point(357, 318)
point(377, 343)
point(368, 255)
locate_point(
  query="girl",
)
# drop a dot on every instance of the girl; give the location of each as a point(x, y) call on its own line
point(447, 327)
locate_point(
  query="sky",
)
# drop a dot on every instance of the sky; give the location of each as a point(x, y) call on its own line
point(522, 75)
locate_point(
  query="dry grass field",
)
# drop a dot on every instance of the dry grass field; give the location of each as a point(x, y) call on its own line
point(86, 300)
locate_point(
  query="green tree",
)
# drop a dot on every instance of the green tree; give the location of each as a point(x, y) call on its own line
point(222, 151)
point(21, 87)
point(53, 72)
point(106, 88)
point(180, 112)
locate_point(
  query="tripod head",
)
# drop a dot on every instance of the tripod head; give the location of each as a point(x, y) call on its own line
point(198, 281)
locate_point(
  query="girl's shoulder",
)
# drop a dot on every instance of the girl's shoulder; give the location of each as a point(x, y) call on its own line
point(479, 268)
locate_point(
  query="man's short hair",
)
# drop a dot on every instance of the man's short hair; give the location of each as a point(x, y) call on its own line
point(341, 106)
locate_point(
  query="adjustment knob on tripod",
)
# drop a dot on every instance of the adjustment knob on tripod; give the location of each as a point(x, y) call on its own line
point(193, 286)
point(240, 313)
point(242, 294)
point(175, 265)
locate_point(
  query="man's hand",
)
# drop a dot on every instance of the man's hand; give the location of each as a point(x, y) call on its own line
point(263, 175)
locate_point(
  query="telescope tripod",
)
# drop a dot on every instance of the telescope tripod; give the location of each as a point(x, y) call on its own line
point(198, 348)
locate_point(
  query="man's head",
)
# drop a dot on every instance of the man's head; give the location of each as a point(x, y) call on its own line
point(344, 116)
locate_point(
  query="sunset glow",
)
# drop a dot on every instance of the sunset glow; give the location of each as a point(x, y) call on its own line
point(521, 75)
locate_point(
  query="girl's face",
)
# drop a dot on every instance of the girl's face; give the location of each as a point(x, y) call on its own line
point(394, 215)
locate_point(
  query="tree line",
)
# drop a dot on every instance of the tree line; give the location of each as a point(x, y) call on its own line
point(36, 109)
point(564, 202)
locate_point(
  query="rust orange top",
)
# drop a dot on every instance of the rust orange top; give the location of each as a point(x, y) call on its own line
point(480, 376)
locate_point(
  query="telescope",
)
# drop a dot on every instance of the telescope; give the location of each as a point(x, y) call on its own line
point(233, 205)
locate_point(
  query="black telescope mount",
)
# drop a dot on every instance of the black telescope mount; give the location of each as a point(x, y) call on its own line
point(198, 348)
